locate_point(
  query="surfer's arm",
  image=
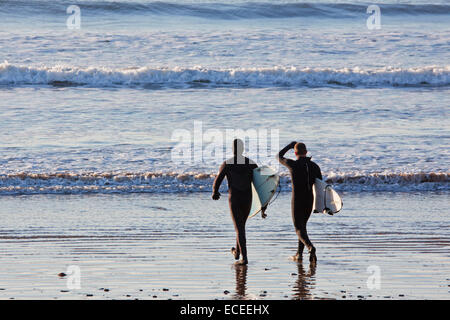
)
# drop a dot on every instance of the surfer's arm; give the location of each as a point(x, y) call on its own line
point(280, 155)
point(317, 171)
point(218, 181)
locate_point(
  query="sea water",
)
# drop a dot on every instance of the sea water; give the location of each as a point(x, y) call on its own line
point(91, 111)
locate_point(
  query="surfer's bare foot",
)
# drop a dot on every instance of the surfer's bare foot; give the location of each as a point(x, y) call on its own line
point(297, 257)
point(241, 262)
point(312, 255)
point(235, 253)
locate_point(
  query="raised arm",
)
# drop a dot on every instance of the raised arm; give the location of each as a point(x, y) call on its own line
point(218, 182)
point(280, 155)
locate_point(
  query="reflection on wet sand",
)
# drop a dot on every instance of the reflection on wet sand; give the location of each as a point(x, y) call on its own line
point(241, 281)
point(117, 241)
point(305, 282)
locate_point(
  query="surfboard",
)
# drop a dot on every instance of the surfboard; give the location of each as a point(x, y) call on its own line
point(264, 187)
point(326, 199)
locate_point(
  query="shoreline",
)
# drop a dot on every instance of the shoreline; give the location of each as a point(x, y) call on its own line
point(148, 242)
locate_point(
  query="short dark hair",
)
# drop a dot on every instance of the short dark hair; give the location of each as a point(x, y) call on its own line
point(300, 148)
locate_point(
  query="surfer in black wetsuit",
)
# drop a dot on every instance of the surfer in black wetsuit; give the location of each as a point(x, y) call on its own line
point(239, 173)
point(303, 173)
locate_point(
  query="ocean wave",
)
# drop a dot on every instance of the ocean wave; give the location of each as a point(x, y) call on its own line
point(224, 11)
point(171, 182)
point(13, 75)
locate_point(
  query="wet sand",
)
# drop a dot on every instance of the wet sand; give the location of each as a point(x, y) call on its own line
point(176, 246)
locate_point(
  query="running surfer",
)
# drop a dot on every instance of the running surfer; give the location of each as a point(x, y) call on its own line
point(303, 174)
point(239, 173)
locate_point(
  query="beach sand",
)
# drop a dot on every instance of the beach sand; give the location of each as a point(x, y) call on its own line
point(176, 246)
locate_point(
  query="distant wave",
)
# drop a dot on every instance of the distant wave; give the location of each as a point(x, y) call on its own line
point(13, 75)
point(215, 10)
point(172, 182)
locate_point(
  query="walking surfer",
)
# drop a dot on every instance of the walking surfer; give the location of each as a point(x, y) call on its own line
point(239, 173)
point(303, 173)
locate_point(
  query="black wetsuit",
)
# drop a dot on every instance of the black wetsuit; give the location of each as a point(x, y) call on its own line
point(239, 173)
point(303, 173)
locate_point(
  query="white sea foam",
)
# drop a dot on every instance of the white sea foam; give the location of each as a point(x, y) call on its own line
point(172, 182)
point(13, 75)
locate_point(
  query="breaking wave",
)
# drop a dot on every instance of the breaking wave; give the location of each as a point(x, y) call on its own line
point(14, 75)
point(171, 182)
point(215, 10)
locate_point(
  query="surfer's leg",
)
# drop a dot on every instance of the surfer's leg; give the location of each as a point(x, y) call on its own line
point(300, 226)
point(301, 246)
point(311, 248)
point(301, 217)
point(239, 227)
point(242, 243)
point(301, 212)
point(299, 255)
point(240, 212)
point(304, 235)
point(235, 251)
point(240, 205)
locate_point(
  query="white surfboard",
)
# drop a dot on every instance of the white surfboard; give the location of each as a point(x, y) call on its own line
point(264, 187)
point(326, 200)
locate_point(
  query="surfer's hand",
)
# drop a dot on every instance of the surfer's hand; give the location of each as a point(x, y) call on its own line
point(292, 144)
point(216, 196)
point(263, 212)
